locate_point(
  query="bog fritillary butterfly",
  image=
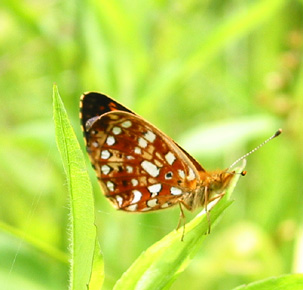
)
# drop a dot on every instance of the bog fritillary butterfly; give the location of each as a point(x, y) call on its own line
point(140, 169)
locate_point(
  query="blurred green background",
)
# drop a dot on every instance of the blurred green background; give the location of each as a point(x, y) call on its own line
point(217, 76)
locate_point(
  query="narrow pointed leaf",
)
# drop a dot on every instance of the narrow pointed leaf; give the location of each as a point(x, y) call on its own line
point(285, 282)
point(84, 252)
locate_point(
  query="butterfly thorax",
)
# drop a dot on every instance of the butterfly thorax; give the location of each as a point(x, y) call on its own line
point(212, 185)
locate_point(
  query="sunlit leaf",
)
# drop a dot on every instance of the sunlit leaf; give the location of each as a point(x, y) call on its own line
point(85, 251)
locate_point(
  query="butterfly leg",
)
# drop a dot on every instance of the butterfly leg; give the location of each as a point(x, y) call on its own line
point(206, 202)
point(181, 220)
point(217, 196)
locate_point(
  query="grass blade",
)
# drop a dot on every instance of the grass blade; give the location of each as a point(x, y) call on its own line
point(85, 252)
point(285, 282)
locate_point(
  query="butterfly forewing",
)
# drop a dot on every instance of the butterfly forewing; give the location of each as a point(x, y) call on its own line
point(139, 168)
point(94, 105)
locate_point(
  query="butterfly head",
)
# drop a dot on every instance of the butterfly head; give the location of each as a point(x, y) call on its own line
point(219, 180)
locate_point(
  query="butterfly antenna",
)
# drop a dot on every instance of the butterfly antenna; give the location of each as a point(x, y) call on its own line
point(255, 149)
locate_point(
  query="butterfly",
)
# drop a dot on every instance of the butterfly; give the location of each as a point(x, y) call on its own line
point(141, 169)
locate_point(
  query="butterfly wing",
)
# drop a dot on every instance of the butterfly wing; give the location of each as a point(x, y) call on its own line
point(138, 166)
point(94, 104)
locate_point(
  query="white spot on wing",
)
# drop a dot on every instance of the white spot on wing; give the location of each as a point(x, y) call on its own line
point(146, 209)
point(117, 130)
point(105, 169)
point(126, 124)
point(137, 196)
point(138, 150)
point(170, 158)
point(181, 173)
point(129, 169)
point(152, 202)
point(119, 199)
point(175, 191)
point(129, 157)
point(150, 136)
point(132, 207)
point(110, 185)
point(95, 144)
point(191, 175)
point(105, 154)
point(110, 140)
point(154, 189)
point(150, 168)
point(164, 205)
point(142, 142)
point(134, 182)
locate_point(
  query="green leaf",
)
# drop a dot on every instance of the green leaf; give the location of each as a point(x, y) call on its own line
point(159, 266)
point(85, 251)
point(285, 282)
point(97, 276)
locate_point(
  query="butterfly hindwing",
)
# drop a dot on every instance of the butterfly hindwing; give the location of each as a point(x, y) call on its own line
point(135, 162)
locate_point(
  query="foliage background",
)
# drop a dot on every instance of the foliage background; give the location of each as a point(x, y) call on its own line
point(217, 76)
